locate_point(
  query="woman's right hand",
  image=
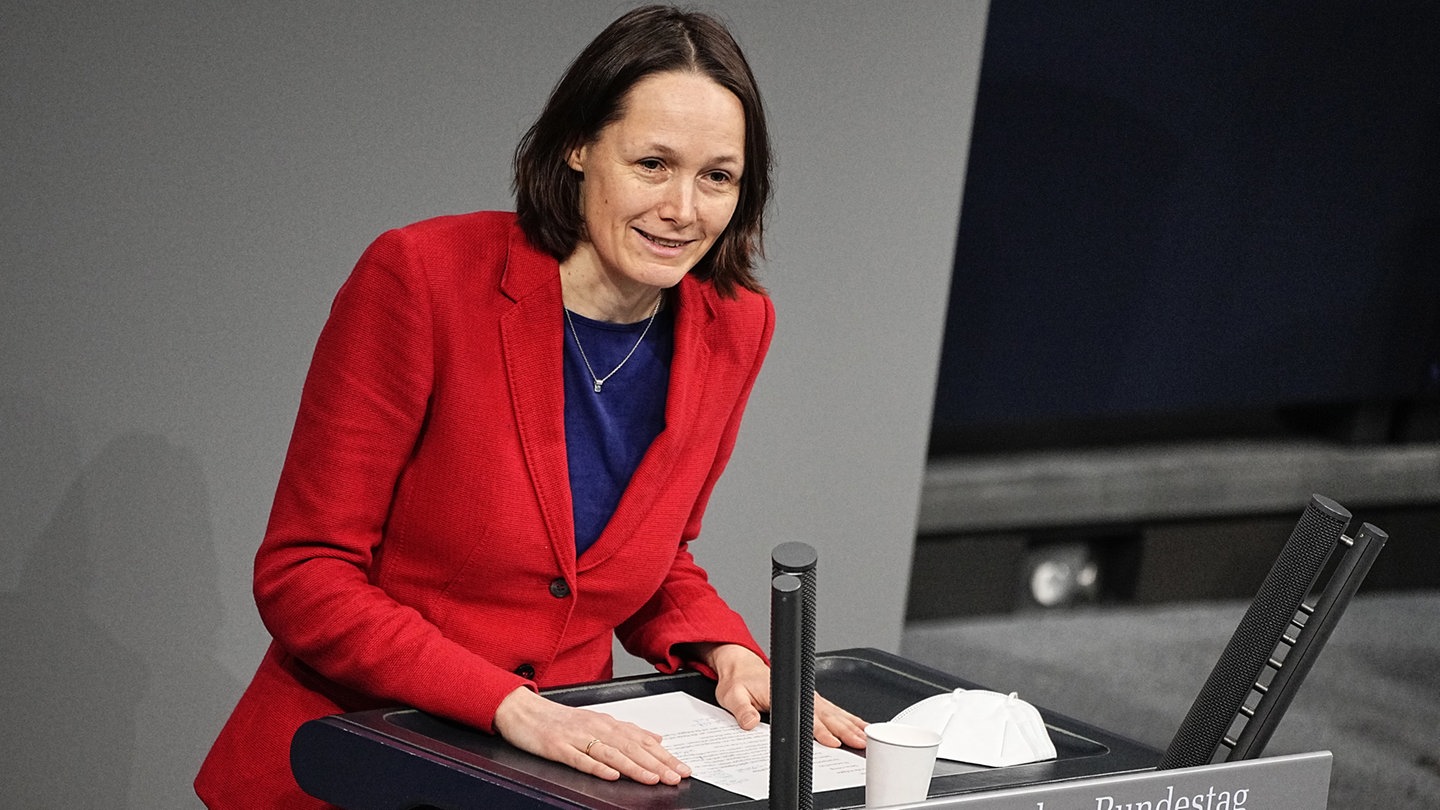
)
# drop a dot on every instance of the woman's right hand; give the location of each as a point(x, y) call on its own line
point(587, 741)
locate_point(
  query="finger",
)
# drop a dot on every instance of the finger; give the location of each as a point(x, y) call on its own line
point(586, 759)
point(745, 704)
point(834, 732)
point(655, 758)
point(636, 753)
point(835, 726)
point(824, 735)
point(641, 759)
point(747, 716)
point(648, 750)
point(741, 703)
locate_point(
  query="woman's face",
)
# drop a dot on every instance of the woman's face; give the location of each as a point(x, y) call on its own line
point(659, 183)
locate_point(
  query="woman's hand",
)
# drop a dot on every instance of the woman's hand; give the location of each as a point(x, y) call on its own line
point(742, 687)
point(835, 727)
point(587, 741)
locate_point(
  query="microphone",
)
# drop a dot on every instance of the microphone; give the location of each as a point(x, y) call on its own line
point(792, 676)
point(1220, 700)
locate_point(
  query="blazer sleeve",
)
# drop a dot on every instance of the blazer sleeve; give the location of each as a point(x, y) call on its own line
point(687, 608)
point(361, 414)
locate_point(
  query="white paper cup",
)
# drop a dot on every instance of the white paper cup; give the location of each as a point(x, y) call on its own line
point(899, 760)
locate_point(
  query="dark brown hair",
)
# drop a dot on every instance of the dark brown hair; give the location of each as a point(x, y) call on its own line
point(591, 94)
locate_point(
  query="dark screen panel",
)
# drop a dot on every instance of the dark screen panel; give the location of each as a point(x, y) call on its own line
point(1199, 216)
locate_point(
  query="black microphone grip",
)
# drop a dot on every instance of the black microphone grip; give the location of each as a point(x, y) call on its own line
point(796, 680)
point(1310, 545)
point(786, 617)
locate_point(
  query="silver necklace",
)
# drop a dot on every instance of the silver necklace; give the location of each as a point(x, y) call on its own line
point(600, 381)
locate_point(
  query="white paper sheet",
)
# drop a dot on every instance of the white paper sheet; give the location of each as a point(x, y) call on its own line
point(718, 751)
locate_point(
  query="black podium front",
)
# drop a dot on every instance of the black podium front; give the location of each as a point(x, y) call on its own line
point(403, 759)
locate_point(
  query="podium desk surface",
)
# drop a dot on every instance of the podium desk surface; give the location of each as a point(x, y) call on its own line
point(403, 759)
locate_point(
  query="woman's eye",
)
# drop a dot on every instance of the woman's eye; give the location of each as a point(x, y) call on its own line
point(720, 178)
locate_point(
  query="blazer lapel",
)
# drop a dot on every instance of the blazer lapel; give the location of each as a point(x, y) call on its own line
point(532, 342)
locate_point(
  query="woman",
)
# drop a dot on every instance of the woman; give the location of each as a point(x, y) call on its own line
point(512, 425)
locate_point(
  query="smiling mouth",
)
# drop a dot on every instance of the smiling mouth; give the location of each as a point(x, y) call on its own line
point(666, 243)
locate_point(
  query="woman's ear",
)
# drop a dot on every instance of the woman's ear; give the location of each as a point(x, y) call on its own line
point(576, 158)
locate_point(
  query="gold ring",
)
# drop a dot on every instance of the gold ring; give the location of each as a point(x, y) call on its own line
point(589, 745)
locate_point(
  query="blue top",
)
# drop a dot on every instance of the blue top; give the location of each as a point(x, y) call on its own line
point(607, 433)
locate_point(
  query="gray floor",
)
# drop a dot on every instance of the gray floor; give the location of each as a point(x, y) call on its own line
point(1372, 698)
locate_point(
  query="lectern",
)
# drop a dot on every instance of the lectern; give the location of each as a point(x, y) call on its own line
point(403, 759)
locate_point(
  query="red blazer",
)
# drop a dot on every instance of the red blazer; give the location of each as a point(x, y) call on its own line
point(421, 547)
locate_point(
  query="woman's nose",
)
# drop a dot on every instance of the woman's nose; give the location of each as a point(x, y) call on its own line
point(678, 204)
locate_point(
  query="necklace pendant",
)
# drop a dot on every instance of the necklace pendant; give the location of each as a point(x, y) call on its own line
point(597, 386)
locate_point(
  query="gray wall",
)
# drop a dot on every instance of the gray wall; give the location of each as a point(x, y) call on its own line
point(184, 185)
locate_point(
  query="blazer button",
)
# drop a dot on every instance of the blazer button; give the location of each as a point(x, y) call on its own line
point(525, 671)
point(559, 588)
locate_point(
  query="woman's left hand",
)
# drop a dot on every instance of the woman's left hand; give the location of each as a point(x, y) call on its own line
point(742, 688)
